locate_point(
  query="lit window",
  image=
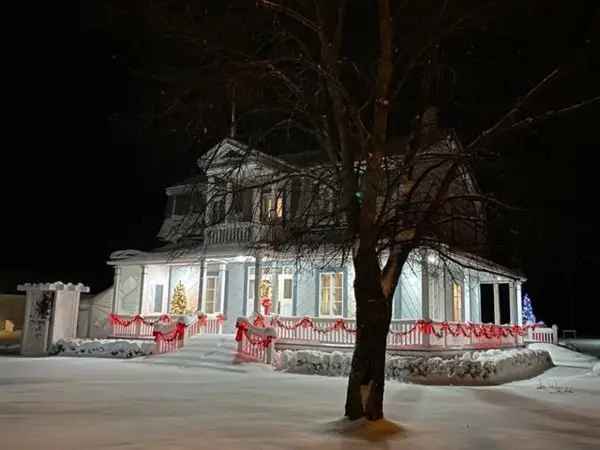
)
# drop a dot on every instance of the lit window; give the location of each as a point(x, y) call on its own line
point(456, 302)
point(158, 298)
point(279, 207)
point(331, 298)
point(210, 300)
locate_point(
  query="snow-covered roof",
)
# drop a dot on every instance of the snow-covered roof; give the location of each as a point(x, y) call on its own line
point(56, 286)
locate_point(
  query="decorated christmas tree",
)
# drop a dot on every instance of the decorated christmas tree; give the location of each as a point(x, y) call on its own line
point(179, 301)
point(528, 315)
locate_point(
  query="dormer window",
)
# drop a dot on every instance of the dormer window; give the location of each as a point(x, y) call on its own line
point(182, 204)
point(272, 206)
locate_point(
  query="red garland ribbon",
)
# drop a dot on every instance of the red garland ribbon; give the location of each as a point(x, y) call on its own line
point(242, 331)
point(177, 333)
point(266, 304)
point(259, 321)
point(115, 319)
point(489, 331)
point(203, 319)
point(241, 327)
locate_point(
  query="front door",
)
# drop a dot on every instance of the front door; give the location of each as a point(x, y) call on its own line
point(285, 295)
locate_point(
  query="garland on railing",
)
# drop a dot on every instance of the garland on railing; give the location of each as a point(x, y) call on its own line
point(489, 331)
point(176, 333)
point(115, 319)
point(242, 331)
point(203, 319)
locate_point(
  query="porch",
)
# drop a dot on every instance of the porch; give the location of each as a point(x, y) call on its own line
point(260, 336)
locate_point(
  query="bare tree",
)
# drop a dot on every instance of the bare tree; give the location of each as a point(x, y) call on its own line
point(385, 176)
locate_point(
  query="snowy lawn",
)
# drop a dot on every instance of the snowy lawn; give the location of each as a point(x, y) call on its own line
point(93, 403)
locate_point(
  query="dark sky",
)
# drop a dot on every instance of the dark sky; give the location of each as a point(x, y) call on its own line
point(88, 177)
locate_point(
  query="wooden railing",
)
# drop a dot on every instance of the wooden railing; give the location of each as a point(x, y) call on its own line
point(403, 334)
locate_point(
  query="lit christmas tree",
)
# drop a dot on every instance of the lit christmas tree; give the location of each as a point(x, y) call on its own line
point(528, 315)
point(179, 301)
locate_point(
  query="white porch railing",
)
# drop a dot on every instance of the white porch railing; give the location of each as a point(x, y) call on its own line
point(253, 341)
point(229, 233)
point(402, 335)
point(143, 327)
point(543, 334)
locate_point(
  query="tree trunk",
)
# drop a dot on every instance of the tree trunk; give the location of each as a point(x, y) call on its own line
point(373, 314)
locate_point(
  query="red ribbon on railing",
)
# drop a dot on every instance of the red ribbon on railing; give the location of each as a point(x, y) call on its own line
point(489, 331)
point(242, 332)
point(241, 328)
point(177, 333)
point(259, 321)
point(115, 319)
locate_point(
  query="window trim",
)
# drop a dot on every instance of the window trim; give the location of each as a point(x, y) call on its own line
point(162, 298)
point(331, 294)
point(457, 289)
point(216, 299)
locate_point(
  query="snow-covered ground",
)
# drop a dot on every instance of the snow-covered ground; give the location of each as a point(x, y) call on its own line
point(200, 400)
point(562, 356)
point(586, 345)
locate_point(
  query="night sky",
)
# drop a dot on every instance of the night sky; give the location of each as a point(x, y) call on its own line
point(88, 175)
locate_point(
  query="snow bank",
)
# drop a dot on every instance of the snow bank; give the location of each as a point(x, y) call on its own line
point(562, 356)
point(596, 369)
point(471, 368)
point(104, 348)
point(9, 347)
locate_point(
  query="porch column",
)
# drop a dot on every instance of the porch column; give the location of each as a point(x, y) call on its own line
point(519, 320)
point(467, 296)
point(511, 299)
point(115, 299)
point(142, 282)
point(222, 286)
point(169, 283)
point(424, 286)
point(496, 304)
point(257, 280)
point(203, 275)
point(201, 283)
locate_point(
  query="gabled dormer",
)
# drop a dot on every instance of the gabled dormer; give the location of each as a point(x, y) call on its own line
point(228, 191)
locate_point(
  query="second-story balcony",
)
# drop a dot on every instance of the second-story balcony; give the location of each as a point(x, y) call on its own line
point(231, 233)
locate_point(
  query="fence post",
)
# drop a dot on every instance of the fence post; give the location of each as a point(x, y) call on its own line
point(554, 334)
point(269, 352)
point(424, 337)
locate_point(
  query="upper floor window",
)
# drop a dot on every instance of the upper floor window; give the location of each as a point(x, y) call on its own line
point(272, 206)
point(183, 204)
point(218, 210)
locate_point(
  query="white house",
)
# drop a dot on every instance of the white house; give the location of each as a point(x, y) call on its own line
point(218, 268)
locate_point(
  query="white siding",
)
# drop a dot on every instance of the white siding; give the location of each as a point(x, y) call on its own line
point(410, 294)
